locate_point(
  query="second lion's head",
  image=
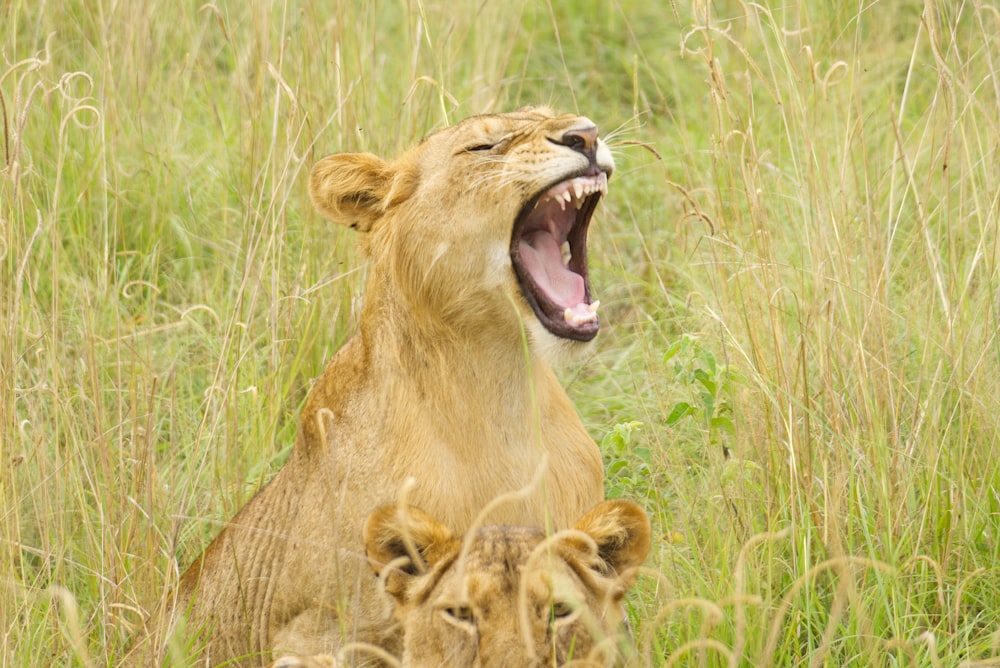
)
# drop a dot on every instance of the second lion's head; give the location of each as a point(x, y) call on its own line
point(509, 595)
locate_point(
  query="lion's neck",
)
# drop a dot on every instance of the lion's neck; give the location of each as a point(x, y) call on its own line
point(478, 376)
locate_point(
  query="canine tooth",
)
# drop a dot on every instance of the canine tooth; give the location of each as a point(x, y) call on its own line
point(578, 189)
point(593, 306)
point(568, 315)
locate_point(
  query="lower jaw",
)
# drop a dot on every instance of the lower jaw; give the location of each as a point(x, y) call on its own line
point(558, 351)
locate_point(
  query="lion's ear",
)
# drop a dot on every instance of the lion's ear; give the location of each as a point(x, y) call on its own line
point(356, 189)
point(621, 530)
point(411, 538)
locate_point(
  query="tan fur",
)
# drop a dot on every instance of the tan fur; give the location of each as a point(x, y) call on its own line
point(514, 598)
point(444, 383)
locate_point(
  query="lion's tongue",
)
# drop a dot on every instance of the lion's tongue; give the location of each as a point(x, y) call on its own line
point(542, 257)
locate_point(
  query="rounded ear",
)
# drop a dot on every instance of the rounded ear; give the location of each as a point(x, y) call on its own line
point(621, 530)
point(392, 533)
point(351, 188)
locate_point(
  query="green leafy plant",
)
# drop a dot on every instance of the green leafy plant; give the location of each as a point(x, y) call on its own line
point(627, 466)
point(708, 385)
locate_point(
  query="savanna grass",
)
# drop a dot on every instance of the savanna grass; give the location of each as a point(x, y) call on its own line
point(798, 375)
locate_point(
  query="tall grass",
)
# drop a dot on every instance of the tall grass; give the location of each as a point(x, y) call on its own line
point(799, 375)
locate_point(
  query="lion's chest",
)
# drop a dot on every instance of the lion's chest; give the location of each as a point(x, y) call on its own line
point(464, 441)
point(456, 481)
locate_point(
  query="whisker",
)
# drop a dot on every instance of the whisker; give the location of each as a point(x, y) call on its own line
point(631, 124)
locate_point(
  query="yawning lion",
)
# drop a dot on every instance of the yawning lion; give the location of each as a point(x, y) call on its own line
point(477, 279)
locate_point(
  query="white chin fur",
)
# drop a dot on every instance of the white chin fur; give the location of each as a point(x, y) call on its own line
point(557, 351)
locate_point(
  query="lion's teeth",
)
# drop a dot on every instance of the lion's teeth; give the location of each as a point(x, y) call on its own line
point(566, 253)
point(574, 318)
point(578, 190)
point(593, 306)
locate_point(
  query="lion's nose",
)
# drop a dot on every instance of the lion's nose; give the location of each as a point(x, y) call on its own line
point(581, 139)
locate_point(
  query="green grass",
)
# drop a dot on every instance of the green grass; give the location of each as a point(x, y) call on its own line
point(799, 375)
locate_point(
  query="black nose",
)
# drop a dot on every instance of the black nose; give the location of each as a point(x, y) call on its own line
point(583, 140)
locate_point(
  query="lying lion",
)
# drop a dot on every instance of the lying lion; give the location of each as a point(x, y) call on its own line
point(478, 277)
point(506, 595)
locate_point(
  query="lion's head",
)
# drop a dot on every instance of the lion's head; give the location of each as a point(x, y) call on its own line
point(482, 223)
point(511, 596)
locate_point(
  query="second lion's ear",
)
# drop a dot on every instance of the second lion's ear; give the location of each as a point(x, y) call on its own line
point(409, 539)
point(356, 189)
point(622, 534)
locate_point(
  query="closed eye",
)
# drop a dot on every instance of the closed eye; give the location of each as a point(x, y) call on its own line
point(489, 144)
point(481, 147)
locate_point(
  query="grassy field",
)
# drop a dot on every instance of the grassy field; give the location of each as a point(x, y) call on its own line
point(799, 373)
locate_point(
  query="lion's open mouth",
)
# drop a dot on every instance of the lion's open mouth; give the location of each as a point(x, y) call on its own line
point(549, 252)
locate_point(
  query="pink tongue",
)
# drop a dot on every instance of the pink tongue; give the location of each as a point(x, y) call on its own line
point(542, 257)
